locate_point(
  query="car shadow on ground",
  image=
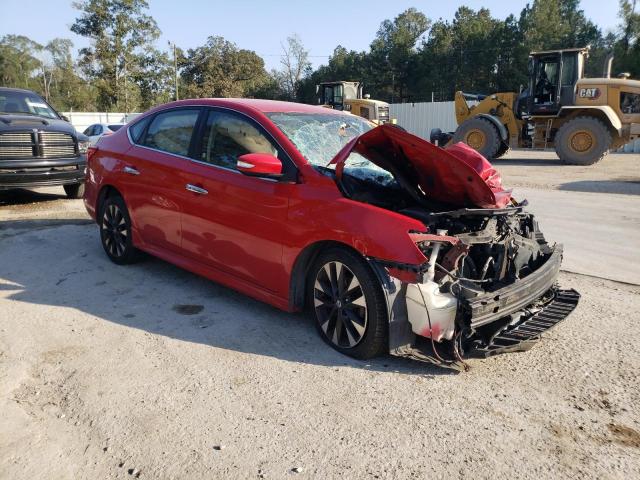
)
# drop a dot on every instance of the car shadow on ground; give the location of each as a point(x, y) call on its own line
point(617, 186)
point(64, 266)
point(23, 197)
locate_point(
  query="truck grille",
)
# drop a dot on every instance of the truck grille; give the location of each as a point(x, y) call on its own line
point(17, 145)
point(21, 145)
point(15, 138)
point(55, 144)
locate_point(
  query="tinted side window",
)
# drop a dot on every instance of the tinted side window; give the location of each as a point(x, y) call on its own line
point(88, 131)
point(171, 131)
point(630, 102)
point(569, 67)
point(227, 136)
point(137, 129)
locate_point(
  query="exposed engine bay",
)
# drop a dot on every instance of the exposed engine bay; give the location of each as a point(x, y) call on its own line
point(496, 247)
point(489, 281)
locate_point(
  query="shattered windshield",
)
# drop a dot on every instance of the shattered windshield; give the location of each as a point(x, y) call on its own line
point(319, 137)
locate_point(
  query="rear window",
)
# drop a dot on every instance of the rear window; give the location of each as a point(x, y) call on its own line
point(114, 128)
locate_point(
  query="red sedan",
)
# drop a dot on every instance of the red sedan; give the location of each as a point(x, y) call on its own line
point(386, 238)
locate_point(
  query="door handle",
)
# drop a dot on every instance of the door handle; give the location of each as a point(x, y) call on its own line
point(194, 189)
point(131, 171)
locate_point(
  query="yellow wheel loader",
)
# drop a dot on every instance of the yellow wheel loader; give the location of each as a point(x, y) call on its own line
point(348, 96)
point(582, 118)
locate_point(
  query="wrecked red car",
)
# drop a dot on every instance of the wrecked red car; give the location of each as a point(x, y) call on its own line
point(394, 244)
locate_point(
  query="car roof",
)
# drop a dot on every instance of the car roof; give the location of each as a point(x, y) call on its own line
point(264, 106)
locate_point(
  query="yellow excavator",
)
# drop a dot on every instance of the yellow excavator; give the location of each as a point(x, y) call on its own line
point(582, 118)
point(348, 96)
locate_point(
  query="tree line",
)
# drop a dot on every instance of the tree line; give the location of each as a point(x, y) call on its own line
point(412, 57)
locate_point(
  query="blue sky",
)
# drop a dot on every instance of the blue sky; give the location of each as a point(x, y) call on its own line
point(262, 25)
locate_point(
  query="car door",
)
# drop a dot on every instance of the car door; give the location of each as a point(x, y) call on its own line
point(152, 185)
point(230, 221)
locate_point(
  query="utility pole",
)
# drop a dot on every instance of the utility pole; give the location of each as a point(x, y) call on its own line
point(126, 89)
point(175, 69)
point(393, 86)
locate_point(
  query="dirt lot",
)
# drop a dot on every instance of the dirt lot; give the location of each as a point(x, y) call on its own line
point(617, 173)
point(151, 372)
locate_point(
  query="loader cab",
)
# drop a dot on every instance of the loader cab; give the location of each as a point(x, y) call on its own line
point(552, 79)
point(335, 94)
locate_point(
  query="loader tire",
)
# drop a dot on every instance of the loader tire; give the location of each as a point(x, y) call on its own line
point(583, 141)
point(503, 150)
point(481, 135)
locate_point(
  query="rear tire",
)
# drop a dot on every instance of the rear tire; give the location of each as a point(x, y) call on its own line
point(481, 135)
point(582, 141)
point(74, 191)
point(115, 231)
point(348, 304)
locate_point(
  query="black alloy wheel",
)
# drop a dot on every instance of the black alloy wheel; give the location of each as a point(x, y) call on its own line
point(115, 231)
point(348, 304)
point(340, 306)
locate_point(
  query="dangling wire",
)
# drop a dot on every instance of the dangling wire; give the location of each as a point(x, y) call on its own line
point(457, 345)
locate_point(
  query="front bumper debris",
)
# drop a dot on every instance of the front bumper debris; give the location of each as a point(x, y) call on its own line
point(524, 334)
point(491, 306)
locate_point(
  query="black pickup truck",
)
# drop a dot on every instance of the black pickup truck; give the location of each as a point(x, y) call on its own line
point(38, 146)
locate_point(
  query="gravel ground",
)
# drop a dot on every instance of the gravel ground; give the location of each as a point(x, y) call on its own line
point(616, 173)
point(148, 371)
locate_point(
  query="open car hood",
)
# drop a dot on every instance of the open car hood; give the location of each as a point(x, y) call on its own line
point(456, 175)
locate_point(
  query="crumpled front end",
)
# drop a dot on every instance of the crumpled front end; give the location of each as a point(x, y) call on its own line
point(488, 287)
point(489, 281)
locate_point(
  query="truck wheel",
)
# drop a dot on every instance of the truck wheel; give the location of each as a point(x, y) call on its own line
point(582, 141)
point(480, 135)
point(504, 148)
point(74, 191)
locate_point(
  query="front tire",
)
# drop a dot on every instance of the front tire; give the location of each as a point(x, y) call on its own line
point(502, 151)
point(348, 304)
point(481, 135)
point(582, 141)
point(74, 191)
point(115, 231)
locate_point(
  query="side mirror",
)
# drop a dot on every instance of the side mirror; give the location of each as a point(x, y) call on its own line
point(262, 165)
point(65, 118)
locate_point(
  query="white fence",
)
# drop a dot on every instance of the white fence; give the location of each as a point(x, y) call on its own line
point(81, 120)
point(420, 118)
